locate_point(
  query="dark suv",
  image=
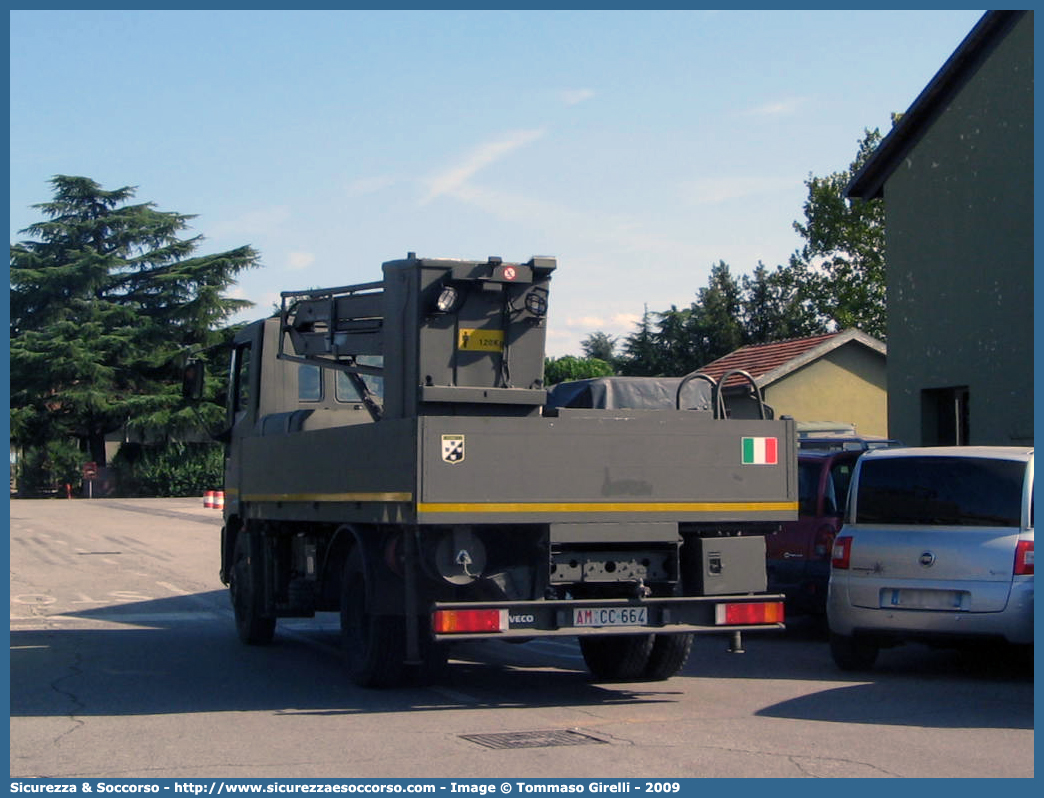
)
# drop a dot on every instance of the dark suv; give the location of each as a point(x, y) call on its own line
point(799, 555)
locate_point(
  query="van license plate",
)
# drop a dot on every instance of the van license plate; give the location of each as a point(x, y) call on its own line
point(924, 599)
point(611, 616)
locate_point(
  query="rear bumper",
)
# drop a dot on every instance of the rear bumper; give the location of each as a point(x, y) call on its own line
point(1013, 624)
point(554, 618)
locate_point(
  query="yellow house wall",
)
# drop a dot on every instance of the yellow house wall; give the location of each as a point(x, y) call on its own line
point(847, 385)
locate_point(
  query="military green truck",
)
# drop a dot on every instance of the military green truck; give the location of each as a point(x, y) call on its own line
point(392, 456)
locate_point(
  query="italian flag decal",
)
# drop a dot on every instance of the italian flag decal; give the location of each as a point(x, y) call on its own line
point(759, 451)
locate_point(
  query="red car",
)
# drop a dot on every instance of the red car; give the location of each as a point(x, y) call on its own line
point(798, 561)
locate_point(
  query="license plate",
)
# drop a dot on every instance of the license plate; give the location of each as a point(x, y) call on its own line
point(924, 599)
point(611, 616)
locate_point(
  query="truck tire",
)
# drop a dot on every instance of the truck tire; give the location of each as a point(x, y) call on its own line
point(374, 645)
point(622, 658)
point(851, 654)
point(244, 587)
point(667, 657)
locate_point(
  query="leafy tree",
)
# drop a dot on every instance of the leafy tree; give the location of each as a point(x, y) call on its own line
point(178, 469)
point(570, 367)
point(840, 268)
point(106, 300)
point(40, 469)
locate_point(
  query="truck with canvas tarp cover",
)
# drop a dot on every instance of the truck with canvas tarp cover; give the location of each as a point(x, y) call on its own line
point(392, 455)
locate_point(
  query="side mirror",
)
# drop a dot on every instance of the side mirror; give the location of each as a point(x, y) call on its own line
point(192, 380)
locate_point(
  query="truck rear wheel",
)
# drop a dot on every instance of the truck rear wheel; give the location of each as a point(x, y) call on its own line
point(244, 587)
point(668, 654)
point(374, 645)
point(622, 658)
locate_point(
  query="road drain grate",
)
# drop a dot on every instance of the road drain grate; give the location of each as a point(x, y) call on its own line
point(533, 739)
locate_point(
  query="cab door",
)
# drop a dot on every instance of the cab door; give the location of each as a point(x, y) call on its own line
point(242, 408)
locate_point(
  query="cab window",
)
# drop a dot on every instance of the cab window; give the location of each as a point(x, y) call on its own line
point(345, 390)
point(239, 385)
point(309, 383)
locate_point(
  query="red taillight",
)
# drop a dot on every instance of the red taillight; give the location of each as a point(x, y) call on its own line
point(447, 622)
point(824, 541)
point(842, 553)
point(1024, 558)
point(748, 613)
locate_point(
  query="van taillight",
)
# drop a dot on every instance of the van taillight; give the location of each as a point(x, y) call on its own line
point(824, 541)
point(1024, 558)
point(842, 553)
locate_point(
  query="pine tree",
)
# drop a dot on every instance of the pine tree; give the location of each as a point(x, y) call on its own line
point(716, 327)
point(599, 345)
point(639, 356)
point(106, 300)
point(773, 308)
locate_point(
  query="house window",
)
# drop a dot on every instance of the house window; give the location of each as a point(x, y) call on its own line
point(944, 416)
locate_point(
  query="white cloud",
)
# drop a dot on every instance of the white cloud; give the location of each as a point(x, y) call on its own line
point(592, 322)
point(624, 236)
point(781, 107)
point(575, 96)
point(300, 260)
point(613, 324)
point(626, 319)
point(455, 178)
point(565, 335)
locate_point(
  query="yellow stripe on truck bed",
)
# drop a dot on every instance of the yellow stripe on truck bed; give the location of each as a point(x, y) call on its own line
point(604, 507)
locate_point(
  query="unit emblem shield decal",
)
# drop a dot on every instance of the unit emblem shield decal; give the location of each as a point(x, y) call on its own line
point(453, 449)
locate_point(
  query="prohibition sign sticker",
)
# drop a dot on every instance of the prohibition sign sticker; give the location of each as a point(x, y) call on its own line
point(509, 273)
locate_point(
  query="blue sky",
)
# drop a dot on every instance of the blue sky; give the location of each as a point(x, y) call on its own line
point(639, 148)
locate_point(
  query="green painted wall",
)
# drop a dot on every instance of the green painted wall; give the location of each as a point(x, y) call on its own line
point(960, 256)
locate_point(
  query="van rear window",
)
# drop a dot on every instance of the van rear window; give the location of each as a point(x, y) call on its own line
point(951, 491)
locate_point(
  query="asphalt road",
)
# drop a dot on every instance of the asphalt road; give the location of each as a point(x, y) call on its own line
point(125, 663)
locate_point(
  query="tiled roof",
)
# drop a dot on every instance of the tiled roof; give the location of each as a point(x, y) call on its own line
point(782, 356)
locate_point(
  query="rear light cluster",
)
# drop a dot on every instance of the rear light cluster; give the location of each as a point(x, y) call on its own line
point(1024, 558)
point(747, 613)
point(842, 553)
point(447, 622)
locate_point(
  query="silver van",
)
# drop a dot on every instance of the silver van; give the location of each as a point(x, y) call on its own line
point(937, 547)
